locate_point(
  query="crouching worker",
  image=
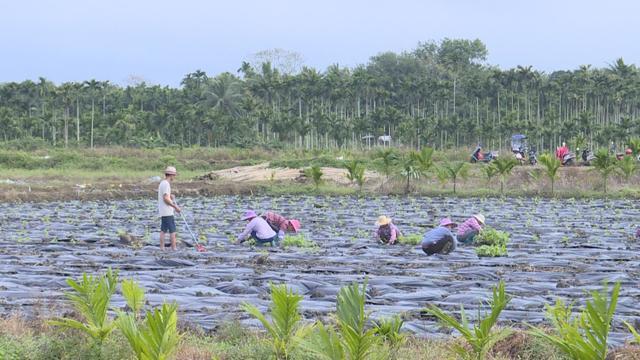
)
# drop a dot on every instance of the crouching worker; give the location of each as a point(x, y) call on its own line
point(387, 232)
point(280, 224)
point(257, 228)
point(470, 228)
point(440, 240)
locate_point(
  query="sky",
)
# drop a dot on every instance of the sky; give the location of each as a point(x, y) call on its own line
point(161, 41)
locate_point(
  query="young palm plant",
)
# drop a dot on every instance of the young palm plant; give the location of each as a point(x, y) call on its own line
point(157, 338)
point(503, 167)
point(355, 173)
point(627, 167)
point(583, 336)
point(454, 171)
point(315, 173)
point(551, 166)
point(352, 340)
point(133, 295)
point(389, 330)
point(410, 169)
point(389, 160)
point(480, 338)
point(605, 164)
point(285, 328)
point(91, 298)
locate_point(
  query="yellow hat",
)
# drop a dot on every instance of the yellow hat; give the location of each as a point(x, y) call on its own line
point(383, 220)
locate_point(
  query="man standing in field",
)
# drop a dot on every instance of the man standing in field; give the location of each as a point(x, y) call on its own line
point(166, 207)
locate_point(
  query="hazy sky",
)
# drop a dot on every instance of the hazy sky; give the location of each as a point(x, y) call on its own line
point(161, 41)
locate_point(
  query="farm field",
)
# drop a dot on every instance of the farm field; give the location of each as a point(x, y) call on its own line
point(558, 248)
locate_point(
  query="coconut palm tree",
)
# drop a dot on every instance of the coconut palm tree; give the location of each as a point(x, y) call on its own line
point(605, 164)
point(503, 167)
point(551, 165)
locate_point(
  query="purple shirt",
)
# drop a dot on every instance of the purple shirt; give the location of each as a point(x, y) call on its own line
point(394, 233)
point(471, 224)
point(260, 226)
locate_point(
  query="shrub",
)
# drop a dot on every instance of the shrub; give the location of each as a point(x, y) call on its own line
point(491, 242)
point(314, 173)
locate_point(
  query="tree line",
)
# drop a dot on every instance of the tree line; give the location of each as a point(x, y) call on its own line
point(441, 94)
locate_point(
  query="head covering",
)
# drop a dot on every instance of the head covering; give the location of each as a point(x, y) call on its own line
point(628, 151)
point(480, 218)
point(249, 214)
point(383, 220)
point(170, 170)
point(446, 221)
point(295, 224)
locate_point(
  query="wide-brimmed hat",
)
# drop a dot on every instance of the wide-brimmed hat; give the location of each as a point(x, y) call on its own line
point(447, 221)
point(295, 224)
point(480, 218)
point(249, 214)
point(383, 220)
point(170, 170)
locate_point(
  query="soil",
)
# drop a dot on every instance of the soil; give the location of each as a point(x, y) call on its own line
point(558, 248)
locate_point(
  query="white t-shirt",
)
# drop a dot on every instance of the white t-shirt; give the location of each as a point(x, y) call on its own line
point(163, 208)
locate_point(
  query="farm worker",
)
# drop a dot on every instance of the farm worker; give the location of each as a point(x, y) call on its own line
point(166, 207)
point(281, 224)
point(470, 228)
point(387, 232)
point(440, 240)
point(257, 228)
point(562, 151)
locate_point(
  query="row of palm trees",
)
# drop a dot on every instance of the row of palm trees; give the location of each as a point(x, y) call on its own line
point(439, 94)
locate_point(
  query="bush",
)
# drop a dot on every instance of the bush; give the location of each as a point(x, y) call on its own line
point(491, 242)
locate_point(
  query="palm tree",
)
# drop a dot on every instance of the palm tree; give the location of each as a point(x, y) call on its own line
point(389, 159)
point(224, 94)
point(551, 165)
point(93, 87)
point(410, 168)
point(605, 164)
point(454, 171)
point(627, 167)
point(503, 167)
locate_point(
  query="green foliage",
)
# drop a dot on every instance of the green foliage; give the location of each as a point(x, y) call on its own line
point(389, 329)
point(299, 241)
point(634, 332)
point(157, 338)
point(503, 167)
point(480, 337)
point(388, 159)
point(454, 171)
point(491, 236)
point(91, 298)
point(605, 164)
point(627, 167)
point(551, 165)
point(315, 174)
point(491, 250)
point(355, 172)
point(634, 145)
point(133, 294)
point(411, 239)
point(351, 340)
point(415, 164)
point(285, 328)
point(583, 336)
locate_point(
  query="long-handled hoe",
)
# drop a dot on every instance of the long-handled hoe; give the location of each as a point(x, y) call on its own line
point(199, 247)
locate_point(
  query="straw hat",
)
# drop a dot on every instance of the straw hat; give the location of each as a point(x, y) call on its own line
point(480, 218)
point(170, 170)
point(383, 220)
point(295, 224)
point(446, 222)
point(249, 214)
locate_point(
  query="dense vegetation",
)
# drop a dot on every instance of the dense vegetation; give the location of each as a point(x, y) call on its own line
point(441, 94)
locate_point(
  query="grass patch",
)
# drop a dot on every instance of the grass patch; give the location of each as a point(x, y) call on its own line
point(411, 239)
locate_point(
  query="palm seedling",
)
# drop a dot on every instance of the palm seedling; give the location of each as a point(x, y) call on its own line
point(627, 167)
point(583, 336)
point(350, 339)
point(315, 173)
point(480, 338)
point(454, 171)
point(157, 338)
point(285, 328)
point(389, 159)
point(551, 166)
point(389, 330)
point(416, 164)
point(503, 167)
point(133, 295)
point(355, 173)
point(91, 297)
point(605, 164)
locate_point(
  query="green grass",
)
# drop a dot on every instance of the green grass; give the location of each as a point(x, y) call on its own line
point(298, 241)
point(411, 239)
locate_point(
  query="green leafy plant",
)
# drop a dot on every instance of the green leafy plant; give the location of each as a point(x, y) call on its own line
point(634, 145)
point(454, 171)
point(299, 241)
point(583, 336)
point(489, 172)
point(157, 338)
point(411, 239)
point(634, 332)
point(551, 166)
point(627, 167)
point(352, 340)
point(315, 174)
point(133, 294)
point(91, 298)
point(285, 328)
point(491, 250)
point(605, 164)
point(389, 330)
point(355, 173)
point(480, 338)
point(503, 167)
point(389, 160)
point(491, 236)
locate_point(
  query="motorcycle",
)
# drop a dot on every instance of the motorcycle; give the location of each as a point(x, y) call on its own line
point(478, 156)
point(533, 157)
point(568, 159)
point(587, 157)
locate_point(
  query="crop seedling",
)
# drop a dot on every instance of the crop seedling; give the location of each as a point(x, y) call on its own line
point(583, 336)
point(299, 241)
point(285, 328)
point(480, 337)
point(411, 239)
point(491, 242)
point(389, 330)
point(157, 337)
